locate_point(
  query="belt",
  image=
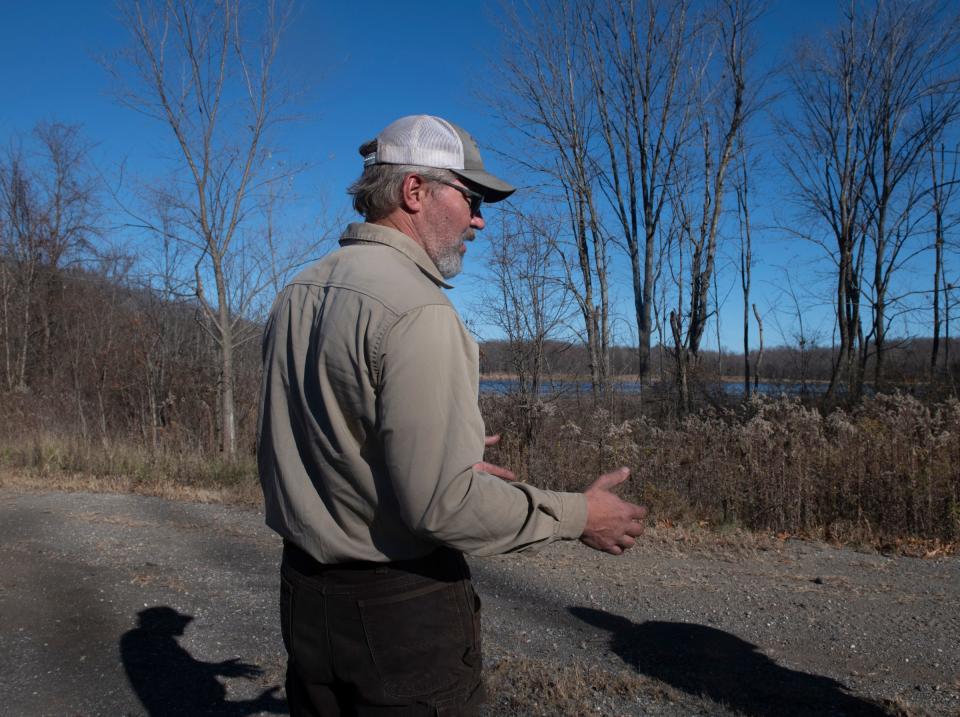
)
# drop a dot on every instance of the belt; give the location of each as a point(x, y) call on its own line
point(442, 564)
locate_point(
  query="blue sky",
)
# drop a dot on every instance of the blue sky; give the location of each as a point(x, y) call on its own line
point(362, 64)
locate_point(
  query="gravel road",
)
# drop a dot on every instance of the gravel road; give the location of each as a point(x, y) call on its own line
point(129, 605)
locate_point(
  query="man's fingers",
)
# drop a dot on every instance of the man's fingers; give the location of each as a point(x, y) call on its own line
point(610, 480)
point(495, 470)
point(492, 468)
point(613, 524)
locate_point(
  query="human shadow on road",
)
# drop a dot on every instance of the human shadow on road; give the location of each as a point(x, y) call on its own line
point(170, 683)
point(711, 663)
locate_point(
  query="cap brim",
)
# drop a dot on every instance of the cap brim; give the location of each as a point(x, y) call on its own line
point(494, 190)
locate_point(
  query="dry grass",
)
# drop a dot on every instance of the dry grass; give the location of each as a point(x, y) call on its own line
point(52, 463)
point(886, 474)
point(527, 687)
point(531, 687)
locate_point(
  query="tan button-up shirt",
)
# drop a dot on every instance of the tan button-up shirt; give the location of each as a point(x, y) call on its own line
point(369, 424)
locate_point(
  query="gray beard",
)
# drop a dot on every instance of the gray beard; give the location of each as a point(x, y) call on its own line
point(449, 261)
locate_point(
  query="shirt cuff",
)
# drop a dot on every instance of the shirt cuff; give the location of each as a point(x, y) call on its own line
point(573, 516)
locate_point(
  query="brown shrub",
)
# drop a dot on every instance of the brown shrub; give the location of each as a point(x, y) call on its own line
point(884, 472)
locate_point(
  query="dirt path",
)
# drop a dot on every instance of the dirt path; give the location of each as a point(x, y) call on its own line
point(95, 591)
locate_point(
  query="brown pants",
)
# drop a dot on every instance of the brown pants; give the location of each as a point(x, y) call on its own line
point(368, 639)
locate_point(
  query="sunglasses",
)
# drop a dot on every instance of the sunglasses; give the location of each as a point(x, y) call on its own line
point(475, 199)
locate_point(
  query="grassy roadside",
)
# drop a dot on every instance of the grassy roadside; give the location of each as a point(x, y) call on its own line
point(235, 486)
point(49, 463)
point(885, 475)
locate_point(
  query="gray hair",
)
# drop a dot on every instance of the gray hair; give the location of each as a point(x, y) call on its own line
point(378, 191)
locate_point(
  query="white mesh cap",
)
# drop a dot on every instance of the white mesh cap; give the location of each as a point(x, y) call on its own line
point(427, 141)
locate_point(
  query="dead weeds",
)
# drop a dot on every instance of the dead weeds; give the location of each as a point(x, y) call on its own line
point(527, 686)
point(243, 493)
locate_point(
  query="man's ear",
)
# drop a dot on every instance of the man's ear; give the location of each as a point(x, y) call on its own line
point(413, 191)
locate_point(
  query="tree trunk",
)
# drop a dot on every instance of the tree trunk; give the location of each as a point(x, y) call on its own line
point(21, 373)
point(5, 287)
point(228, 416)
point(681, 361)
point(937, 277)
point(756, 368)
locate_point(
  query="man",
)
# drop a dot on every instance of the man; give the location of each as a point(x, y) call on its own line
point(371, 445)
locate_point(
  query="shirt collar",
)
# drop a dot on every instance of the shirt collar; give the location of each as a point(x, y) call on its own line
point(395, 239)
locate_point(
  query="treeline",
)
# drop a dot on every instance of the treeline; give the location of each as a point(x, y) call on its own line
point(106, 360)
point(907, 363)
point(654, 131)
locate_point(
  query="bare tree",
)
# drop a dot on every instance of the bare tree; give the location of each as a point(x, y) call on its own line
point(870, 101)
point(746, 258)
point(638, 55)
point(6, 299)
point(71, 215)
point(916, 94)
point(550, 100)
point(50, 212)
point(603, 87)
point(205, 70)
point(723, 108)
point(163, 335)
point(826, 156)
point(948, 304)
point(759, 361)
point(943, 183)
point(21, 259)
point(528, 301)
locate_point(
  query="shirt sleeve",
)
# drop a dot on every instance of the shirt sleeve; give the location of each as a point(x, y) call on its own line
point(432, 434)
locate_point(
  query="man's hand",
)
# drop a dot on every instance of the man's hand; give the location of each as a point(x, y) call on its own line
point(612, 524)
point(491, 468)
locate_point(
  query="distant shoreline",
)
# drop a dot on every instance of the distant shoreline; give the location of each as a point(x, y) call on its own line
point(635, 378)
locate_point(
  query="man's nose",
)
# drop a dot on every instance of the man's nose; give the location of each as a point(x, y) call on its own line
point(477, 222)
